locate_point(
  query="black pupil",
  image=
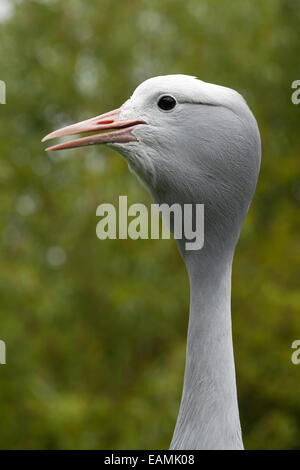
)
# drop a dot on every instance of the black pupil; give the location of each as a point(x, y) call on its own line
point(166, 103)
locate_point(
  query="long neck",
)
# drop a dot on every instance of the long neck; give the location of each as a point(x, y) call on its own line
point(208, 416)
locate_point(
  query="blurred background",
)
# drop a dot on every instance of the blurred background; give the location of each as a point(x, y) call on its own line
point(96, 331)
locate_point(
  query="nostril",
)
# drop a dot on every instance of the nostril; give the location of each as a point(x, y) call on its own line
point(109, 121)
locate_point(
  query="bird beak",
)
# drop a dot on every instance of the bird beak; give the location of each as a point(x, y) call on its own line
point(107, 121)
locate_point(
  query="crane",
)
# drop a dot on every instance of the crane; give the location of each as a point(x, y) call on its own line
point(191, 142)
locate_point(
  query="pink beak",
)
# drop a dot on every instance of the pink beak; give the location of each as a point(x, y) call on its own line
point(106, 121)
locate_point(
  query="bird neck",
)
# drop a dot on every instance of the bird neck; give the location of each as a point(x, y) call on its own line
point(208, 417)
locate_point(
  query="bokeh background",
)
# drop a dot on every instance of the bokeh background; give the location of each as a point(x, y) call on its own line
point(96, 331)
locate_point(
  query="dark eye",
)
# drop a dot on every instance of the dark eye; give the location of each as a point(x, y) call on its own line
point(166, 102)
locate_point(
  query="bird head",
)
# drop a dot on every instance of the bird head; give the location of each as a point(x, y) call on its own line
point(189, 142)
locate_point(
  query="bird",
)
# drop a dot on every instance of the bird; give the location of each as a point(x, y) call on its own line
point(189, 142)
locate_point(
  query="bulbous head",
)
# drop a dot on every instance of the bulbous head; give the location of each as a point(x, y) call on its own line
point(189, 142)
point(203, 148)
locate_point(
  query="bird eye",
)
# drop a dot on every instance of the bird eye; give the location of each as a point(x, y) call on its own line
point(166, 102)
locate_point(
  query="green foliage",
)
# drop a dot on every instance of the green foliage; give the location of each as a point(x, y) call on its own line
point(96, 333)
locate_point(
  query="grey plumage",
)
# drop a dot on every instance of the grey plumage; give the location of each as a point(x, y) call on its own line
point(205, 150)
